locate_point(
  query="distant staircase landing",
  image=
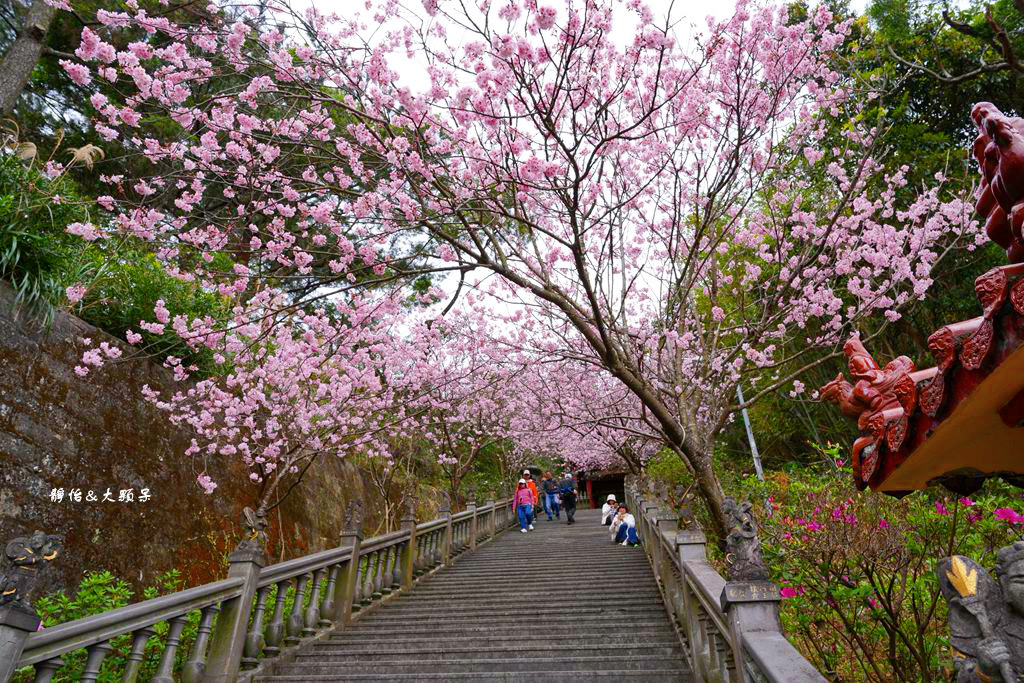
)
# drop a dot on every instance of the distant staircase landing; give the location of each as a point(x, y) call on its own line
point(560, 603)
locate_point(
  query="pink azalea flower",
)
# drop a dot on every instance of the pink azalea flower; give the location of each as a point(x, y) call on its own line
point(1008, 515)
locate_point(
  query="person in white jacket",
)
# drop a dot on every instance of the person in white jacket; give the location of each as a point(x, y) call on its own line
point(624, 527)
point(617, 522)
point(608, 510)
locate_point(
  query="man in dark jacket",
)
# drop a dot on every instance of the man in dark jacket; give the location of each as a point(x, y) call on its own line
point(549, 487)
point(567, 490)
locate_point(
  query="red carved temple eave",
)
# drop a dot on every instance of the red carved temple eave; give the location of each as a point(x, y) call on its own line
point(972, 437)
point(968, 420)
point(955, 423)
point(962, 421)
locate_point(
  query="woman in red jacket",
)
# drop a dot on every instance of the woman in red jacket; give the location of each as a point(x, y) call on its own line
point(532, 485)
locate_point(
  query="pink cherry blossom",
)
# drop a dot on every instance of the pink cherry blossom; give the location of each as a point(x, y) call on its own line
point(75, 293)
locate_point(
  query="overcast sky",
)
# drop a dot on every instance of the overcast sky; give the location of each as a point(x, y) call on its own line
point(687, 15)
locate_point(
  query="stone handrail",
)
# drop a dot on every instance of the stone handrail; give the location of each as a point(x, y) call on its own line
point(730, 629)
point(243, 624)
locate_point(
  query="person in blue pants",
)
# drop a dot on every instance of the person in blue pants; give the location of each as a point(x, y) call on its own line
point(626, 534)
point(524, 503)
point(549, 489)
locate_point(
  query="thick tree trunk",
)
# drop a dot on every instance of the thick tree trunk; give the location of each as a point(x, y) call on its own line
point(23, 55)
point(708, 486)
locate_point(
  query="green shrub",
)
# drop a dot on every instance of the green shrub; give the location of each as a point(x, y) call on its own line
point(857, 569)
point(101, 592)
point(123, 279)
point(35, 251)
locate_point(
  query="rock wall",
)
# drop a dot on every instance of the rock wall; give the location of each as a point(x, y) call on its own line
point(60, 431)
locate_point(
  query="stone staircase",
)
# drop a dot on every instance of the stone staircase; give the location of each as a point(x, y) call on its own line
point(561, 603)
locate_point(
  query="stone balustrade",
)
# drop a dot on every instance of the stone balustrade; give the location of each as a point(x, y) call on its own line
point(730, 629)
point(258, 615)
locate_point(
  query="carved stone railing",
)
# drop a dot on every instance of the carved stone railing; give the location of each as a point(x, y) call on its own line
point(730, 630)
point(258, 615)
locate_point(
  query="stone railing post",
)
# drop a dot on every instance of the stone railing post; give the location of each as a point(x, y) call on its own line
point(15, 627)
point(345, 588)
point(691, 545)
point(228, 641)
point(493, 530)
point(752, 606)
point(472, 520)
point(26, 555)
point(409, 552)
point(446, 514)
point(649, 511)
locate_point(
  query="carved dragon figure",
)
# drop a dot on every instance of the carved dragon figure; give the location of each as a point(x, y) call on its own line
point(26, 555)
point(742, 546)
point(875, 391)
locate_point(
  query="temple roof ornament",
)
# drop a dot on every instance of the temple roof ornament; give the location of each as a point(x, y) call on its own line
point(959, 422)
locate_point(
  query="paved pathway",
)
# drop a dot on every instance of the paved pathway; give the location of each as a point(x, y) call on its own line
point(561, 603)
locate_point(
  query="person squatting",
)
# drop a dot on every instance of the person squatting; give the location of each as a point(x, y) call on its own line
point(623, 524)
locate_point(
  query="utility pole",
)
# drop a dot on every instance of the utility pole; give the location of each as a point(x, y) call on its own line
point(750, 435)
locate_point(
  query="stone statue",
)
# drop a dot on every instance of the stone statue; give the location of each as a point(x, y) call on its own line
point(354, 516)
point(742, 546)
point(986, 617)
point(682, 502)
point(26, 555)
point(255, 523)
point(874, 391)
point(999, 151)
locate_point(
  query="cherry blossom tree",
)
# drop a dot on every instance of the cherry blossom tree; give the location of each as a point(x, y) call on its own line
point(466, 402)
point(291, 393)
point(680, 214)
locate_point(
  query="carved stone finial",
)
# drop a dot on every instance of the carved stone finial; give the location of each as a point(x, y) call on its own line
point(742, 546)
point(26, 555)
point(354, 516)
point(410, 505)
point(255, 524)
point(682, 502)
point(986, 617)
point(446, 503)
point(471, 495)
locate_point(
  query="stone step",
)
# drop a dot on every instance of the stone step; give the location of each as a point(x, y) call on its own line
point(664, 675)
point(563, 641)
point(569, 588)
point(499, 603)
point(565, 664)
point(545, 604)
point(586, 628)
point(511, 649)
point(512, 577)
point(616, 556)
point(655, 611)
point(503, 582)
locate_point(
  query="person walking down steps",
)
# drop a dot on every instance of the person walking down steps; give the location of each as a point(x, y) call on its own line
point(550, 487)
point(532, 485)
point(567, 491)
point(525, 500)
